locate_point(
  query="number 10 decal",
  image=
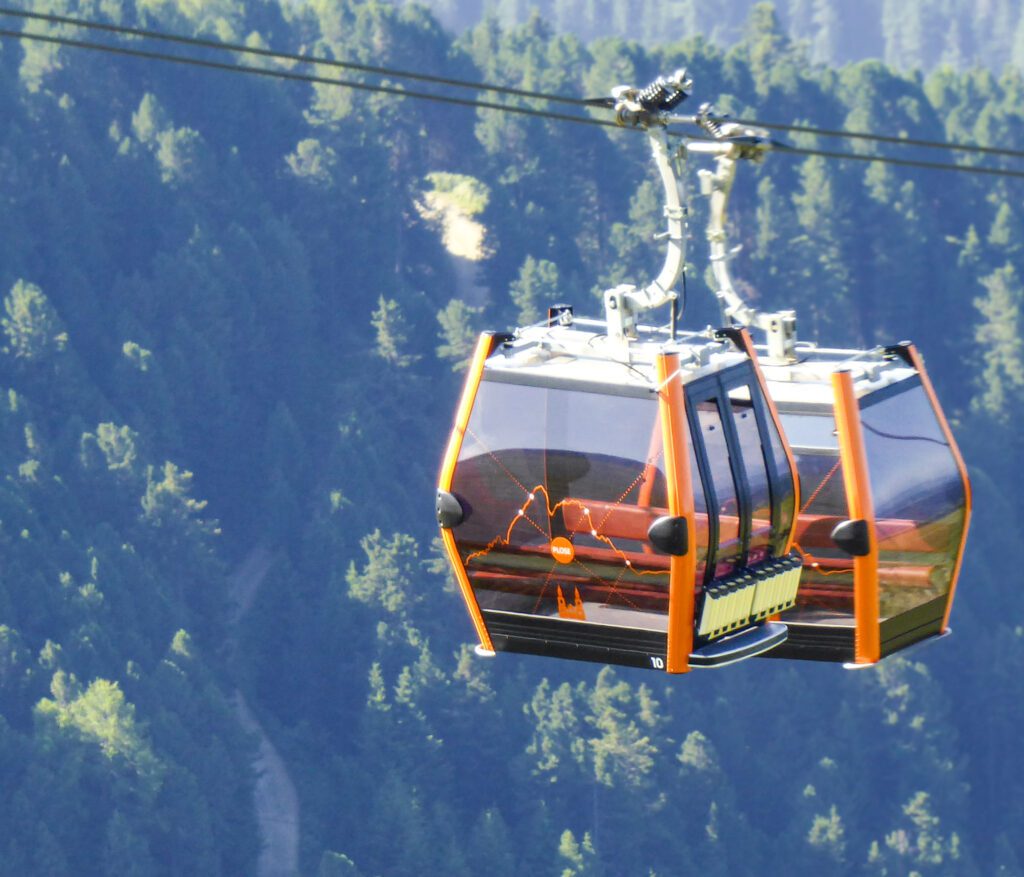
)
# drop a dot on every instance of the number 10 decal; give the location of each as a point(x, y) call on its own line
point(657, 663)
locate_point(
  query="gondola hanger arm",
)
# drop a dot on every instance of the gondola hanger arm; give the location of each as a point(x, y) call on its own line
point(648, 108)
point(727, 142)
point(737, 143)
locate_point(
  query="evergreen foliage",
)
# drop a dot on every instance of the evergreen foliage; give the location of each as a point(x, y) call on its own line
point(231, 346)
point(906, 34)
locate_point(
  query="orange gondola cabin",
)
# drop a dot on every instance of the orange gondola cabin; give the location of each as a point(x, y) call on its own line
point(637, 495)
point(636, 513)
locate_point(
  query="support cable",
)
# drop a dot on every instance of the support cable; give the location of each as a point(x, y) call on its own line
point(447, 99)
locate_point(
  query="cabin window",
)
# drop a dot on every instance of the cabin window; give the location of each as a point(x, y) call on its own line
point(826, 583)
point(727, 504)
point(918, 498)
point(754, 467)
point(562, 485)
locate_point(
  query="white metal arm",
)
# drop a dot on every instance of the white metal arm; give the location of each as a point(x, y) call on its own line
point(624, 303)
point(648, 109)
point(780, 326)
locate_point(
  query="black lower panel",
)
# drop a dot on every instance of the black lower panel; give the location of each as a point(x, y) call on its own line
point(910, 627)
point(635, 647)
point(822, 642)
point(577, 640)
point(815, 642)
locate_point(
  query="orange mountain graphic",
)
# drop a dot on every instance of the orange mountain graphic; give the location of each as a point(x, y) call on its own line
point(575, 610)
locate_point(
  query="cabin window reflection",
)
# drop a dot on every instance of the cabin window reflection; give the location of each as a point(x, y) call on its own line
point(700, 509)
point(561, 486)
point(918, 499)
point(729, 547)
point(826, 581)
point(757, 479)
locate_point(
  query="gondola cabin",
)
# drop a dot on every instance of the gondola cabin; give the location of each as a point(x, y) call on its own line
point(884, 502)
point(635, 496)
point(634, 512)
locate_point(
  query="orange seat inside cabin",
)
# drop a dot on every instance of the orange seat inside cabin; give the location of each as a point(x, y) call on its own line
point(631, 522)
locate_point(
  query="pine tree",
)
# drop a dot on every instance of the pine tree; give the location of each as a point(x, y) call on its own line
point(535, 289)
point(490, 849)
point(1000, 380)
point(390, 574)
point(578, 858)
point(829, 837)
point(392, 334)
point(458, 335)
point(31, 325)
point(826, 275)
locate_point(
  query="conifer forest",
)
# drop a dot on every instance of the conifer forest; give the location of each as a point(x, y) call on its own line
point(236, 315)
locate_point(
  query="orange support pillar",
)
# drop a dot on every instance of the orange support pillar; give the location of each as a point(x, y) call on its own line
point(682, 570)
point(867, 637)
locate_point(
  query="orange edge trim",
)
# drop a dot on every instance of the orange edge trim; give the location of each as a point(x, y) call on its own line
point(867, 634)
point(748, 345)
point(918, 362)
point(484, 346)
point(467, 590)
point(682, 570)
point(444, 482)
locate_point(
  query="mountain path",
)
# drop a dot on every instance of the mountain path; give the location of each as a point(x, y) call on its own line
point(274, 798)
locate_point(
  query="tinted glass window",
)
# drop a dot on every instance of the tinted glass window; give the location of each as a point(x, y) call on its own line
point(757, 479)
point(726, 497)
point(700, 507)
point(826, 582)
point(787, 499)
point(561, 487)
point(918, 498)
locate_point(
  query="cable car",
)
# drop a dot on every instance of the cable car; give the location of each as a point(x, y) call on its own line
point(637, 513)
point(630, 494)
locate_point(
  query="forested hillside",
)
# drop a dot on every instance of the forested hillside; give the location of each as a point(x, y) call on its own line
point(235, 316)
point(907, 34)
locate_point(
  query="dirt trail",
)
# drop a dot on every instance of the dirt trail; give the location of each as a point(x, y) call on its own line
point(274, 798)
point(276, 801)
point(245, 581)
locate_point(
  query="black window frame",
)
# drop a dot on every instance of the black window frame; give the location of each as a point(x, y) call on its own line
point(716, 387)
